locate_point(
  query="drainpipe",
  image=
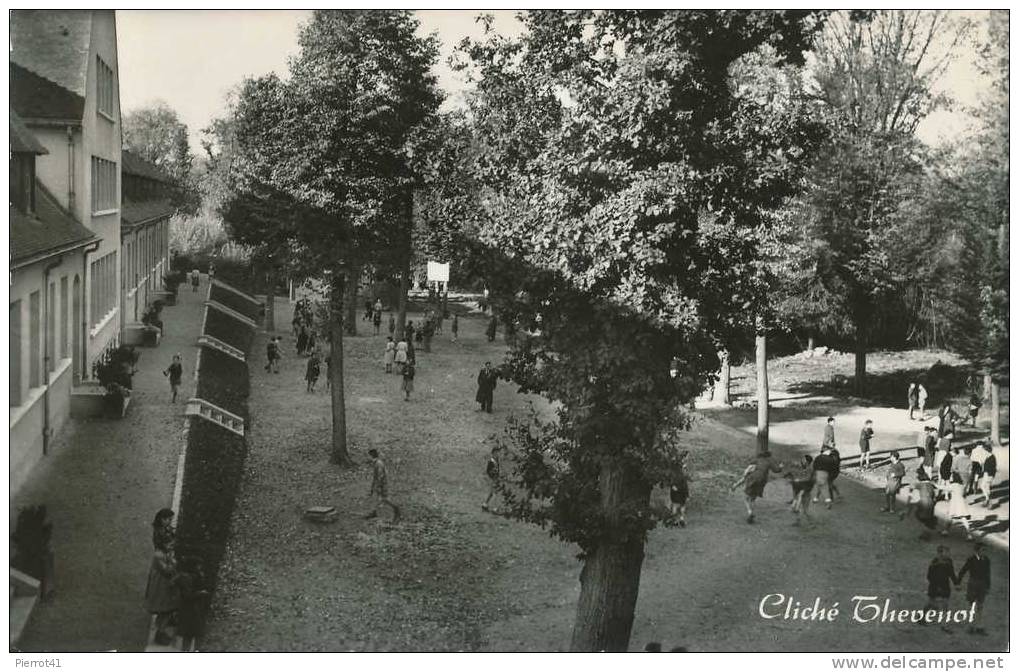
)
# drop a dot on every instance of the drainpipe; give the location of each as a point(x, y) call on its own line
point(46, 354)
point(70, 169)
point(85, 308)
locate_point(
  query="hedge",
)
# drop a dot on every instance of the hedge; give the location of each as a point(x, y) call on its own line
point(223, 381)
point(229, 329)
point(252, 310)
point(213, 471)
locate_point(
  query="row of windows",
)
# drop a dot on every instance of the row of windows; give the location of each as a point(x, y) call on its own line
point(141, 254)
point(105, 92)
point(104, 185)
point(103, 287)
point(59, 324)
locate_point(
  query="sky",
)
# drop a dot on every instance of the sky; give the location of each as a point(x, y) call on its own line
point(191, 59)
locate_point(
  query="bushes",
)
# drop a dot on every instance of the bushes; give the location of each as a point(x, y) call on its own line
point(231, 300)
point(212, 476)
point(223, 381)
point(229, 330)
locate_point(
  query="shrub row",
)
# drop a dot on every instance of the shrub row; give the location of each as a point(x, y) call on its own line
point(212, 476)
point(250, 309)
point(229, 330)
point(214, 466)
point(223, 381)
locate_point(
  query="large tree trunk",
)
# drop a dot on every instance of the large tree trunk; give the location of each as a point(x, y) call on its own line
point(350, 305)
point(401, 314)
point(339, 409)
point(988, 382)
point(860, 373)
point(995, 413)
point(722, 386)
point(762, 392)
point(270, 301)
point(610, 578)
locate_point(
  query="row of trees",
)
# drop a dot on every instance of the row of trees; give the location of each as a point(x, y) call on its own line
point(658, 187)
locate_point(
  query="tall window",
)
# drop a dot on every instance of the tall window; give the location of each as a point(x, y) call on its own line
point(103, 290)
point(104, 87)
point(64, 318)
point(15, 374)
point(104, 185)
point(34, 357)
point(51, 328)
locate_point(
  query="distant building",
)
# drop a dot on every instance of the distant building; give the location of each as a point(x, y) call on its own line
point(144, 234)
point(65, 216)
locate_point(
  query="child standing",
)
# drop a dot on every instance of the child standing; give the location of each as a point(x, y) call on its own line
point(679, 491)
point(390, 354)
point(455, 327)
point(865, 436)
point(401, 356)
point(380, 487)
point(492, 469)
point(408, 380)
point(313, 370)
point(896, 472)
point(392, 325)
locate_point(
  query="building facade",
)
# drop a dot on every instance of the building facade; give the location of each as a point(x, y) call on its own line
point(144, 234)
point(66, 215)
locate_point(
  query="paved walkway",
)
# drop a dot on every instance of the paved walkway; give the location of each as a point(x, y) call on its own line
point(798, 420)
point(102, 485)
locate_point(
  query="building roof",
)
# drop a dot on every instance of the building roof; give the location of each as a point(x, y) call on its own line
point(35, 97)
point(132, 164)
point(53, 44)
point(133, 213)
point(22, 140)
point(48, 230)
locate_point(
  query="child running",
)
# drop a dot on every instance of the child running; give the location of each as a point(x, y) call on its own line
point(754, 478)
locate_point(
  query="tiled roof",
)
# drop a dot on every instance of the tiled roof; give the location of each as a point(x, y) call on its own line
point(22, 140)
point(35, 97)
point(53, 44)
point(139, 212)
point(132, 164)
point(49, 228)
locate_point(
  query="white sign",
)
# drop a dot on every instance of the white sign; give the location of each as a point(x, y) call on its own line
point(438, 272)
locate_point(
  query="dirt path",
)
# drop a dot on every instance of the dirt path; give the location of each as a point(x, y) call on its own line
point(454, 578)
point(102, 485)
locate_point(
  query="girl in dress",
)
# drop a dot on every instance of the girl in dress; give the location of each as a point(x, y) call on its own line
point(401, 356)
point(162, 598)
point(958, 509)
point(390, 355)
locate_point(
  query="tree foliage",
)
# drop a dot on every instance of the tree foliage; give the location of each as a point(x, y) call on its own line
point(622, 180)
point(157, 134)
point(873, 79)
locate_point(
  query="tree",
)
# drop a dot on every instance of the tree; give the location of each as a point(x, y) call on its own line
point(621, 185)
point(875, 74)
point(332, 147)
point(979, 307)
point(157, 135)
